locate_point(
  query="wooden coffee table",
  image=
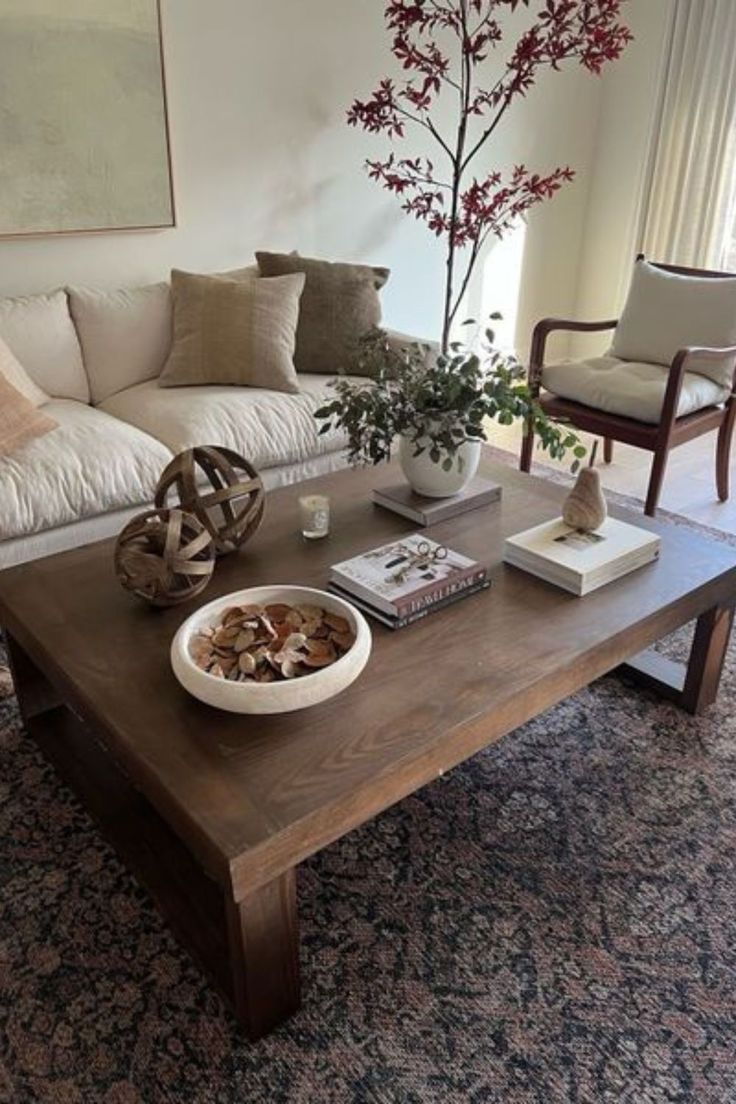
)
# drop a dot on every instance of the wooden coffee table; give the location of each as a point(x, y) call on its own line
point(214, 812)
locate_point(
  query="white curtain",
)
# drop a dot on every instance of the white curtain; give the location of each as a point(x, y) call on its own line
point(690, 201)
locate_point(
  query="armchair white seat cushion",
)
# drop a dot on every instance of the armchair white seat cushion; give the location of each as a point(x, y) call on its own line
point(88, 465)
point(631, 389)
point(667, 311)
point(271, 428)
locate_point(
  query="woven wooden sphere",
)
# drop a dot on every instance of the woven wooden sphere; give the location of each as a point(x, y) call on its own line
point(165, 557)
point(230, 507)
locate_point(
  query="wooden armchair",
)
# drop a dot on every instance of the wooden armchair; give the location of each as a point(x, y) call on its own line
point(673, 427)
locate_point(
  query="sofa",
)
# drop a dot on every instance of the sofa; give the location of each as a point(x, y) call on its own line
point(98, 355)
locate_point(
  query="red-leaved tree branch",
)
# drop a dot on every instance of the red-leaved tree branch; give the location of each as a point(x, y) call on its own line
point(441, 45)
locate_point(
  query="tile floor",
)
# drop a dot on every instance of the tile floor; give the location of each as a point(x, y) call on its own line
point(689, 486)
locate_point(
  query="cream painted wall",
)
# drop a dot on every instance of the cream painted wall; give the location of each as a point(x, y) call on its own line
point(620, 162)
point(262, 159)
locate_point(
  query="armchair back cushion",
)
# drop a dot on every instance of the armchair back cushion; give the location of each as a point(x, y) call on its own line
point(41, 334)
point(665, 312)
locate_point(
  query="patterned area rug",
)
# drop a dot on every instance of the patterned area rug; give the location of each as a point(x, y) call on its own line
point(553, 922)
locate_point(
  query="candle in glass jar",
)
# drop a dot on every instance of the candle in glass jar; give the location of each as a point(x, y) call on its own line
point(314, 513)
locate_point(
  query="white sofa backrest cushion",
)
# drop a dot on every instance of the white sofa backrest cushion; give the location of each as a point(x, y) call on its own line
point(125, 335)
point(13, 372)
point(665, 312)
point(40, 332)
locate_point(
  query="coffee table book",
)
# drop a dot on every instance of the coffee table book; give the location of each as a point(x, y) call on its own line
point(581, 561)
point(406, 575)
point(410, 618)
point(400, 498)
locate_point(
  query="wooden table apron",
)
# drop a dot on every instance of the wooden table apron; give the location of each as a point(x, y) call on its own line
point(245, 932)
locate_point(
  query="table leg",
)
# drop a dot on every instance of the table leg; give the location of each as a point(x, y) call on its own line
point(708, 654)
point(264, 955)
point(250, 948)
point(695, 686)
point(34, 692)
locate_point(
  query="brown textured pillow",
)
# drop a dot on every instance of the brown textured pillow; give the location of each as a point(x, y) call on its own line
point(238, 332)
point(20, 420)
point(339, 306)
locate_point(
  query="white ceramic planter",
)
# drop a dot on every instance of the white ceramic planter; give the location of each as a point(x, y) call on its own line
point(430, 479)
point(270, 697)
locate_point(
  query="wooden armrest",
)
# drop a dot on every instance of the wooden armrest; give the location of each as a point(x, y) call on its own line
point(680, 365)
point(549, 325)
point(706, 352)
point(683, 357)
point(543, 329)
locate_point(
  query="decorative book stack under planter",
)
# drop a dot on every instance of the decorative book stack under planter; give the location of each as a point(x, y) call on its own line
point(430, 511)
point(403, 581)
point(581, 560)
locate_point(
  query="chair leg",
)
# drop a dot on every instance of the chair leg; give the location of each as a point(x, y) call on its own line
point(527, 448)
point(656, 478)
point(607, 450)
point(723, 452)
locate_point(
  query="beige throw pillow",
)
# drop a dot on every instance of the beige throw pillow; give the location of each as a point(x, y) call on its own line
point(15, 374)
point(233, 332)
point(20, 420)
point(339, 306)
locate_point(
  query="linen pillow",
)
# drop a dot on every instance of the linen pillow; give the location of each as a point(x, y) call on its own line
point(15, 374)
point(339, 306)
point(665, 312)
point(20, 420)
point(238, 332)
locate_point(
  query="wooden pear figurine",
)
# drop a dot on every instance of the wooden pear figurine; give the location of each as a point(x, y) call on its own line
point(585, 507)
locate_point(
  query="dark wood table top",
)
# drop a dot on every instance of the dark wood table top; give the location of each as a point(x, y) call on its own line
point(251, 796)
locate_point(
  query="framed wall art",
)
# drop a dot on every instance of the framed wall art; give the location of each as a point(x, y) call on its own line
point(84, 141)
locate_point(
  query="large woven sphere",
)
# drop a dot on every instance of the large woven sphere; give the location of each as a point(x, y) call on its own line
point(165, 557)
point(223, 490)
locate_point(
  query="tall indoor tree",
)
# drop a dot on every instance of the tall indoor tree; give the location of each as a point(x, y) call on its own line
point(446, 48)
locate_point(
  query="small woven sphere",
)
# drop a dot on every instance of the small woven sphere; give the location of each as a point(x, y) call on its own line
point(165, 557)
point(230, 508)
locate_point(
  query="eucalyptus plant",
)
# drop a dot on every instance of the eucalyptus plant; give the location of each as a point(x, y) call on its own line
point(437, 401)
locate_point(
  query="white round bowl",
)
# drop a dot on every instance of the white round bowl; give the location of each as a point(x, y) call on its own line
point(270, 697)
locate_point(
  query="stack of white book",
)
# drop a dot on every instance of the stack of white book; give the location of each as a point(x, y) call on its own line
point(581, 561)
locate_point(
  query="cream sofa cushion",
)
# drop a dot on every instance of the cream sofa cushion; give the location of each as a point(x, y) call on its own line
point(125, 334)
point(13, 372)
point(268, 427)
point(665, 312)
point(88, 465)
point(628, 388)
point(40, 332)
